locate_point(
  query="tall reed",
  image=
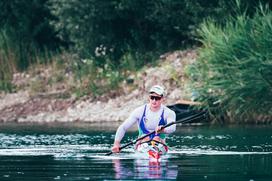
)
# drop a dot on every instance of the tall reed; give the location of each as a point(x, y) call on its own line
point(7, 63)
point(233, 73)
point(16, 56)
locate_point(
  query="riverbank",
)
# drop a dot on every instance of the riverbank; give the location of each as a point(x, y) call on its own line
point(43, 107)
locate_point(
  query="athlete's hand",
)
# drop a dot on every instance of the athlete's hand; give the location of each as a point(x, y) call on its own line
point(116, 147)
point(159, 129)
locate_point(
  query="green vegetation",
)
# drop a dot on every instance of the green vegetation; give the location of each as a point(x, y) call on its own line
point(6, 66)
point(101, 42)
point(109, 29)
point(234, 70)
point(26, 37)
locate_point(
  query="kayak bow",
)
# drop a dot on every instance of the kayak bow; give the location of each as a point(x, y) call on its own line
point(152, 149)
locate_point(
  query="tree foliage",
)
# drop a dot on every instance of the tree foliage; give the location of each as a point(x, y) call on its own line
point(25, 26)
point(109, 33)
point(109, 29)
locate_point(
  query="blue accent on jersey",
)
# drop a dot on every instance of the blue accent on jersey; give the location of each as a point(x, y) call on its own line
point(142, 128)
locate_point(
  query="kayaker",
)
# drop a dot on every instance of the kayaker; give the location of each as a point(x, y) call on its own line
point(149, 117)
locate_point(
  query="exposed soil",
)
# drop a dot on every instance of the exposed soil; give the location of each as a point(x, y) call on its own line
point(50, 106)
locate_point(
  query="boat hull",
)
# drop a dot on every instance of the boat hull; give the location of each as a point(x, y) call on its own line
point(153, 150)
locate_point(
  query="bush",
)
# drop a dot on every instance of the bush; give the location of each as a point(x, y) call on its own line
point(27, 30)
point(108, 30)
point(93, 80)
point(234, 68)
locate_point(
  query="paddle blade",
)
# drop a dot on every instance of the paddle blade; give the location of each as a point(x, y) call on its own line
point(109, 153)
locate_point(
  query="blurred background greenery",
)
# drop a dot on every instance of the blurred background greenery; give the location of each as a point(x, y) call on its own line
point(100, 41)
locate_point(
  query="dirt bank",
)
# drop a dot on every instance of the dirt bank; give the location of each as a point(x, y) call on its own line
point(23, 106)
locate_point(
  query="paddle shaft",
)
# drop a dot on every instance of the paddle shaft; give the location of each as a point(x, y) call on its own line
point(185, 120)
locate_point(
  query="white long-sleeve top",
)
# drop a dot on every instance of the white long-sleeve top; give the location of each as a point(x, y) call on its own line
point(152, 120)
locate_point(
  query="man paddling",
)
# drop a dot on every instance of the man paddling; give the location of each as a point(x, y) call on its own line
point(149, 117)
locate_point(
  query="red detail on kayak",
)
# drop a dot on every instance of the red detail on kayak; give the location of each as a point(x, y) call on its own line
point(166, 148)
point(153, 154)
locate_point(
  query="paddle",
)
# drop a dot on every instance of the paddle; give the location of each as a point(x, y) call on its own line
point(185, 120)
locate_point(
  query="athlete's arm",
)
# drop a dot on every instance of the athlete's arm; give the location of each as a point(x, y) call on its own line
point(121, 132)
point(128, 123)
point(170, 117)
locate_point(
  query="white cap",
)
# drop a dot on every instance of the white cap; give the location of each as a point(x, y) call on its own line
point(157, 89)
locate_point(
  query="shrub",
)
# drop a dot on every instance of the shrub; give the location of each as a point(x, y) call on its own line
point(234, 68)
point(108, 30)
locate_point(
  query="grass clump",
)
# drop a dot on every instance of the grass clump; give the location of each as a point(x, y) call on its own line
point(234, 69)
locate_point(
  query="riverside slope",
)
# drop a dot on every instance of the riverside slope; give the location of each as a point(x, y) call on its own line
point(40, 108)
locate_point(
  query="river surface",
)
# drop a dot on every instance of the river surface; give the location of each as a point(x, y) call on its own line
point(77, 152)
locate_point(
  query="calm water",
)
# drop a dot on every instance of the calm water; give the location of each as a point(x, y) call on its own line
point(76, 152)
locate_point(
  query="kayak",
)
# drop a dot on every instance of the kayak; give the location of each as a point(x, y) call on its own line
point(153, 149)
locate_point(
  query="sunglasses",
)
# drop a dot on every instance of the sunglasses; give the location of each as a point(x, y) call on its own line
point(157, 98)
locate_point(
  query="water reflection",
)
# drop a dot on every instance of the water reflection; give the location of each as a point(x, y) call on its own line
point(144, 169)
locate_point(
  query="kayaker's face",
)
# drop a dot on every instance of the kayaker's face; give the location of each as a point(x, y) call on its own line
point(155, 101)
